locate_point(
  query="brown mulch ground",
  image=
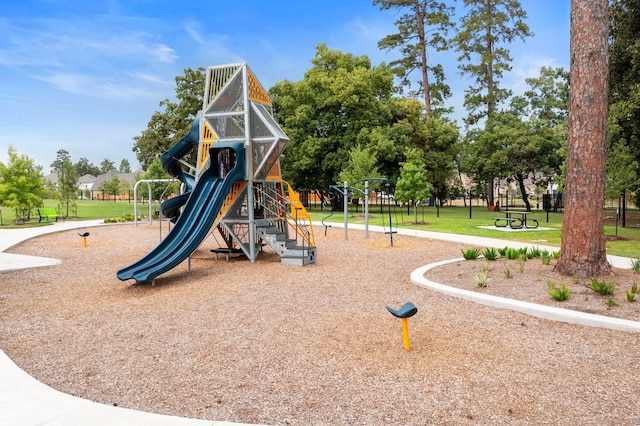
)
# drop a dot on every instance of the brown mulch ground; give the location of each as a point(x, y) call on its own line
point(275, 344)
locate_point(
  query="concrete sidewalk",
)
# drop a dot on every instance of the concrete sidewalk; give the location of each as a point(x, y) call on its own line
point(615, 261)
point(24, 401)
point(12, 237)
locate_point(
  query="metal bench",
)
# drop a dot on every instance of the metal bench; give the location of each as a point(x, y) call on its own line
point(46, 213)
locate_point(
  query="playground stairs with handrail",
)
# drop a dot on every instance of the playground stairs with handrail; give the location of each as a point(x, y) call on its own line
point(281, 222)
point(291, 251)
point(290, 235)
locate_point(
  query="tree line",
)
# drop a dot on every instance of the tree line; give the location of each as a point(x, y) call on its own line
point(23, 188)
point(348, 118)
point(346, 111)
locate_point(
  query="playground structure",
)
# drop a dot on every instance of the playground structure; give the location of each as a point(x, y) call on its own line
point(236, 187)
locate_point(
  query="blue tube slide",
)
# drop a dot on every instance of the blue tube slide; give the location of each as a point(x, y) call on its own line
point(171, 164)
point(198, 215)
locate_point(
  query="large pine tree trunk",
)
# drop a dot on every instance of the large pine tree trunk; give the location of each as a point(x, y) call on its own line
point(583, 251)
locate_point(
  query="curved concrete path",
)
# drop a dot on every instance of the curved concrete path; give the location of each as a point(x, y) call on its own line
point(541, 311)
point(25, 401)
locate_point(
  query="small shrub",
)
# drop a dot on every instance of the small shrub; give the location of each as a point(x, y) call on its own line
point(490, 253)
point(555, 254)
point(546, 259)
point(507, 271)
point(635, 264)
point(512, 253)
point(471, 254)
point(602, 287)
point(503, 251)
point(612, 303)
point(482, 279)
point(521, 260)
point(631, 296)
point(558, 294)
point(486, 266)
point(576, 279)
point(533, 253)
point(125, 218)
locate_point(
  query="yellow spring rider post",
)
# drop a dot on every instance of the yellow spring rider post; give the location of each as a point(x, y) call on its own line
point(407, 310)
point(84, 238)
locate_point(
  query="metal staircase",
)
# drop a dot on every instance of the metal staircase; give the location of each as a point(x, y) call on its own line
point(290, 250)
point(287, 225)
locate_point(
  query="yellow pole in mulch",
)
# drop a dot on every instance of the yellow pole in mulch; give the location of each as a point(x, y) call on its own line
point(405, 334)
point(84, 239)
point(407, 310)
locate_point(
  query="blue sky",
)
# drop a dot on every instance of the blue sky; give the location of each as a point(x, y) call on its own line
point(86, 76)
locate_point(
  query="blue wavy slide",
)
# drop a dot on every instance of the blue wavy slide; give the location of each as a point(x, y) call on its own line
point(196, 220)
point(170, 162)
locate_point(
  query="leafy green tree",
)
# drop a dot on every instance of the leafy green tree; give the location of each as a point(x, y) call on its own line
point(324, 114)
point(486, 30)
point(167, 127)
point(111, 186)
point(623, 171)
point(548, 96)
point(624, 89)
point(61, 156)
point(424, 26)
point(125, 167)
point(390, 140)
point(85, 167)
point(156, 171)
point(440, 151)
point(388, 145)
point(67, 185)
point(106, 166)
point(525, 141)
point(125, 186)
point(67, 179)
point(21, 184)
point(361, 165)
point(413, 184)
point(524, 147)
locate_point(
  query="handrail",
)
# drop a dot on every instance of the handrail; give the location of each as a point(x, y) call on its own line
point(300, 213)
point(293, 211)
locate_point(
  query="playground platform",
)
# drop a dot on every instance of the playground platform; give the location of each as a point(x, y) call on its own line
point(27, 402)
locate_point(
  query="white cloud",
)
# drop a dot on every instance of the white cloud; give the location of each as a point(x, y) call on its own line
point(96, 86)
point(71, 43)
point(151, 78)
point(527, 66)
point(193, 33)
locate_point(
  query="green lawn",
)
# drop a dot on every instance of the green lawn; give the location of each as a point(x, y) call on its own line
point(446, 219)
point(86, 209)
point(83, 210)
point(456, 220)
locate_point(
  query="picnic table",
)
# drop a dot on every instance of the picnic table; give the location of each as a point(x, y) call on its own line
point(516, 219)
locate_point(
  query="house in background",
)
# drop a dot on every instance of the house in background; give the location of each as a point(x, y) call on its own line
point(51, 179)
point(85, 185)
point(127, 182)
point(88, 185)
